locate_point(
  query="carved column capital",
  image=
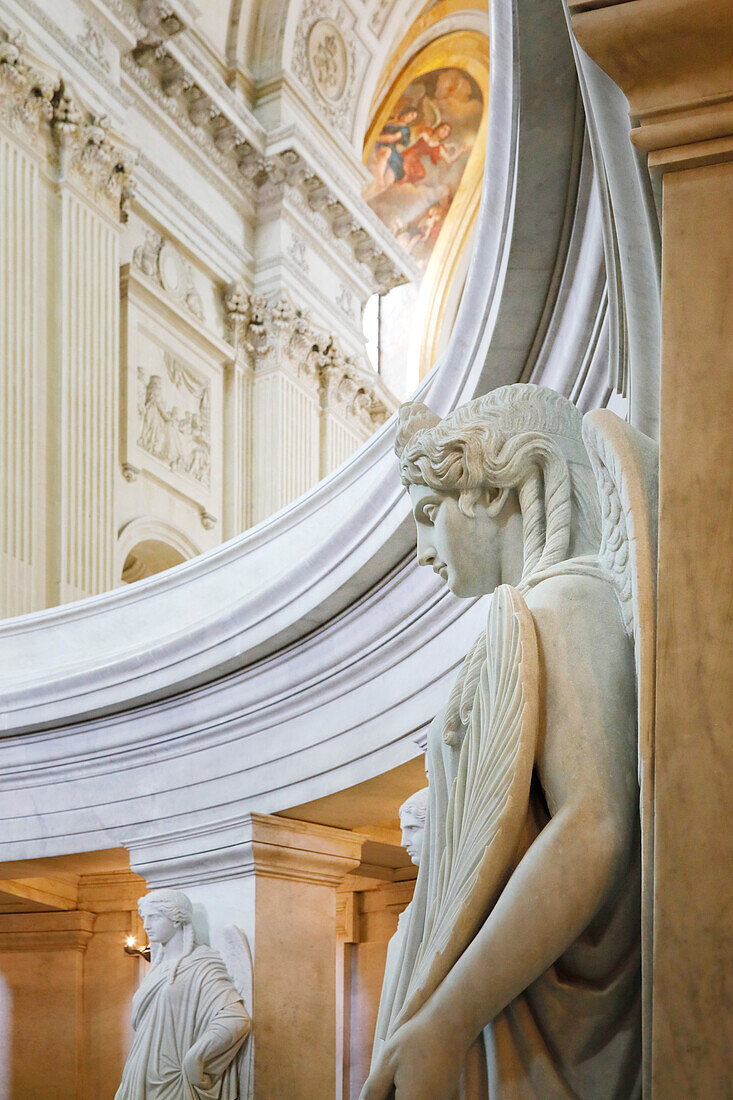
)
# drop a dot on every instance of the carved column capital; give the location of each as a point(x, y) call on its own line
point(26, 94)
point(673, 59)
point(237, 314)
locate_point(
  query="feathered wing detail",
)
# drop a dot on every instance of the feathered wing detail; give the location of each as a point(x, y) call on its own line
point(626, 465)
point(488, 802)
point(237, 956)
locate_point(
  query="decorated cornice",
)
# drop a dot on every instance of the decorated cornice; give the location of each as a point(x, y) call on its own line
point(85, 150)
point(166, 75)
point(274, 332)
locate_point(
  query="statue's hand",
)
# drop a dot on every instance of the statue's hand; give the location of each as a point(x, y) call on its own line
point(422, 1061)
point(193, 1067)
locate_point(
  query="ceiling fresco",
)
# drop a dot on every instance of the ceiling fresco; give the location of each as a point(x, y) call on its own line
point(419, 157)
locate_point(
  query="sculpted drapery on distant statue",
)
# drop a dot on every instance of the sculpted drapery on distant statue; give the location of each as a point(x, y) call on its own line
point(413, 812)
point(188, 1015)
point(518, 976)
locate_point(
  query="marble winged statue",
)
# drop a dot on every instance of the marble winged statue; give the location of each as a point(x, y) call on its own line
point(189, 1017)
point(519, 969)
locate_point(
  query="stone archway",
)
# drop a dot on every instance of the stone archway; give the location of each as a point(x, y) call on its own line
point(148, 557)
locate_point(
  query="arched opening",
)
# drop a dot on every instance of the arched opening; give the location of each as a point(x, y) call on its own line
point(149, 557)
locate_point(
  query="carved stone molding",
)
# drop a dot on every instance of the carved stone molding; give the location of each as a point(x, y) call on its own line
point(86, 152)
point(174, 87)
point(289, 172)
point(236, 304)
point(89, 155)
point(46, 931)
point(298, 253)
point(677, 82)
point(259, 845)
point(345, 301)
point(130, 472)
point(325, 59)
point(380, 14)
point(161, 19)
point(159, 260)
point(25, 94)
point(92, 42)
point(229, 146)
point(274, 332)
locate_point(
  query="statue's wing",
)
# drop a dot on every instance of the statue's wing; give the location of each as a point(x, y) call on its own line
point(488, 801)
point(235, 952)
point(626, 465)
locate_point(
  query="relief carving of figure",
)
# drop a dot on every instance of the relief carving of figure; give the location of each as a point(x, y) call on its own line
point(519, 970)
point(188, 1015)
point(177, 437)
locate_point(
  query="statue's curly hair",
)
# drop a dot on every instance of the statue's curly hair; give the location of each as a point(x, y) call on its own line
point(522, 437)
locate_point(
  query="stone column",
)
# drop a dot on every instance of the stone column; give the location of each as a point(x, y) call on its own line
point(674, 61)
point(84, 384)
point(25, 187)
point(276, 879)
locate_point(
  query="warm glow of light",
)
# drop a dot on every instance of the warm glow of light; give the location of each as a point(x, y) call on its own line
point(130, 941)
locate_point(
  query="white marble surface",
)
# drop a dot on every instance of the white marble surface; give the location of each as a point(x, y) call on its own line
point(520, 963)
point(244, 679)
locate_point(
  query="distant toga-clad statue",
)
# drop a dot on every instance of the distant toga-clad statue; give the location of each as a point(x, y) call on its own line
point(188, 1015)
point(519, 969)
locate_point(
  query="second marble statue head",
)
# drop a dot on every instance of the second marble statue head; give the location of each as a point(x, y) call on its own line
point(412, 822)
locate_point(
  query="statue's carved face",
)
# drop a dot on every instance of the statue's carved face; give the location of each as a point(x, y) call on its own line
point(413, 835)
point(464, 550)
point(159, 928)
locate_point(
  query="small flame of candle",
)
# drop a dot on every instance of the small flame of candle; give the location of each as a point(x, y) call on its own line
point(131, 941)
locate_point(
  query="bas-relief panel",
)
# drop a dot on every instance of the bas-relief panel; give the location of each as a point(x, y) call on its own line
point(174, 418)
point(173, 415)
point(419, 157)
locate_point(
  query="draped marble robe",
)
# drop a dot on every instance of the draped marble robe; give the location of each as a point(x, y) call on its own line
point(575, 1032)
point(199, 1013)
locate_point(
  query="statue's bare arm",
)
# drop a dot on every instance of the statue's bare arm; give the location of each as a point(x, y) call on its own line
point(587, 765)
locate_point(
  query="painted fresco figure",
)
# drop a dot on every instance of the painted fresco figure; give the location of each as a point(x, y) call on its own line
point(519, 969)
point(387, 159)
point(431, 143)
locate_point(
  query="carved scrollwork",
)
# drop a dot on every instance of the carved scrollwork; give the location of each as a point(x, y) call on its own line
point(325, 59)
point(92, 42)
point(85, 149)
point(25, 93)
point(159, 260)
